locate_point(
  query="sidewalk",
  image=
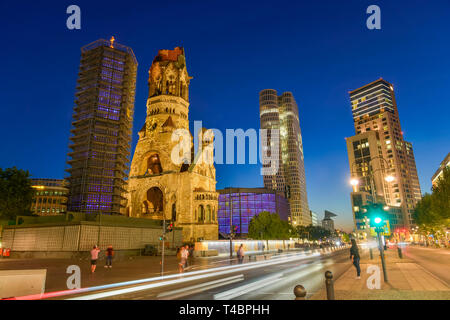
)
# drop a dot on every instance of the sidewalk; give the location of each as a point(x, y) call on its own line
point(406, 281)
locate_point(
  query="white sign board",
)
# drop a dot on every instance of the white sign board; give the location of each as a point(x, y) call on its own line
point(16, 283)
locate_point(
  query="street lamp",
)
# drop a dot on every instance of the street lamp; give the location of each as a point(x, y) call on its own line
point(354, 182)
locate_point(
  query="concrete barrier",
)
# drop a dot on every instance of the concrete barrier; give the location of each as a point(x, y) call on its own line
point(206, 253)
point(16, 283)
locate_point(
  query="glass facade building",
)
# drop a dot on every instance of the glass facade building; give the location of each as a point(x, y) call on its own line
point(237, 207)
point(281, 113)
point(101, 128)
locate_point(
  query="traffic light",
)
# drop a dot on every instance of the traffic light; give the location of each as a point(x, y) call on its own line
point(377, 215)
point(169, 227)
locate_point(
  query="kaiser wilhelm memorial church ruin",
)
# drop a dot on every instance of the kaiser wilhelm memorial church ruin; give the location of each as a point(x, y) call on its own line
point(158, 188)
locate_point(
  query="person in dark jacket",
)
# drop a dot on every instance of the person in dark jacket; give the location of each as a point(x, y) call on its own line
point(354, 255)
point(109, 256)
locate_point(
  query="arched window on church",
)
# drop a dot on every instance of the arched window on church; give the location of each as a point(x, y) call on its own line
point(154, 165)
point(174, 212)
point(201, 213)
point(208, 213)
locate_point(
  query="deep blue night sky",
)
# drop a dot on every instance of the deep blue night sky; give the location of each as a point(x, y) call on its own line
point(319, 50)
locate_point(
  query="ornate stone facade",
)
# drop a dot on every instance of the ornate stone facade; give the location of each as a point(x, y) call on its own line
point(184, 192)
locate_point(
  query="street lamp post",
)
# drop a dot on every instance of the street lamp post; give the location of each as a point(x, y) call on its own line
point(380, 247)
point(163, 244)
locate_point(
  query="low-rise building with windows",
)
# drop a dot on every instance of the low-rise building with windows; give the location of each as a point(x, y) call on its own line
point(50, 197)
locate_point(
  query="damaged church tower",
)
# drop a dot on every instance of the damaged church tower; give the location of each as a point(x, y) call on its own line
point(182, 192)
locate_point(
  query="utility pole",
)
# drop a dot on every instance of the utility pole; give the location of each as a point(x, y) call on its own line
point(163, 244)
point(232, 234)
point(380, 245)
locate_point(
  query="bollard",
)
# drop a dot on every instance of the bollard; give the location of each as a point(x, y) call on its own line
point(400, 254)
point(300, 292)
point(329, 285)
point(371, 254)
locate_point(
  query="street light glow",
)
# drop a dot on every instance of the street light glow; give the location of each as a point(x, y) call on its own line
point(354, 182)
point(389, 178)
point(377, 220)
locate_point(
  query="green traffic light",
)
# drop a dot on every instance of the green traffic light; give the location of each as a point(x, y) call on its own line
point(377, 220)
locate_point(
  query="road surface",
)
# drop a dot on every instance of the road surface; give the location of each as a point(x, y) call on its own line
point(272, 279)
point(436, 261)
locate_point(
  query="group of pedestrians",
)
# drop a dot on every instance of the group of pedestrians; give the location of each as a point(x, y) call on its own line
point(109, 253)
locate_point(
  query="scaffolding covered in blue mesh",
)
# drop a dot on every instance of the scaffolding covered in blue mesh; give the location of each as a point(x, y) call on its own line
point(101, 128)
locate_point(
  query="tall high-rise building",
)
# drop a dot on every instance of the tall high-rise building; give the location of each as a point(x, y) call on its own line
point(381, 162)
point(101, 128)
point(281, 113)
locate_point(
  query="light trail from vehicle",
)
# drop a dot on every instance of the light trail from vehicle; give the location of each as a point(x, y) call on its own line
point(239, 291)
point(175, 294)
point(209, 274)
point(194, 275)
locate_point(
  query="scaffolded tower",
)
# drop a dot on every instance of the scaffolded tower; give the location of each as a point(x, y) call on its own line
point(101, 128)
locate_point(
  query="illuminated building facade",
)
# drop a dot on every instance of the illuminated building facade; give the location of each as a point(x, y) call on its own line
point(382, 163)
point(314, 219)
point(101, 128)
point(281, 113)
point(438, 174)
point(158, 186)
point(237, 207)
point(327, 221)
point(50, 197)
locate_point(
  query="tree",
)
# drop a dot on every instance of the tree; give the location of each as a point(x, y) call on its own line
point(432, 212)
point(441, 196)
point(345, 237)
point(16, 193)
point(313, 232)
point(269, 226)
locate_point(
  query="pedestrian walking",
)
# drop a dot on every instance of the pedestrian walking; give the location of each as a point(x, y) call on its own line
point(191, 256)
point(183, 258)
point(240, 254)
point(94, 257)
point(109, 256)
point(354, 255)
point(187, 253)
